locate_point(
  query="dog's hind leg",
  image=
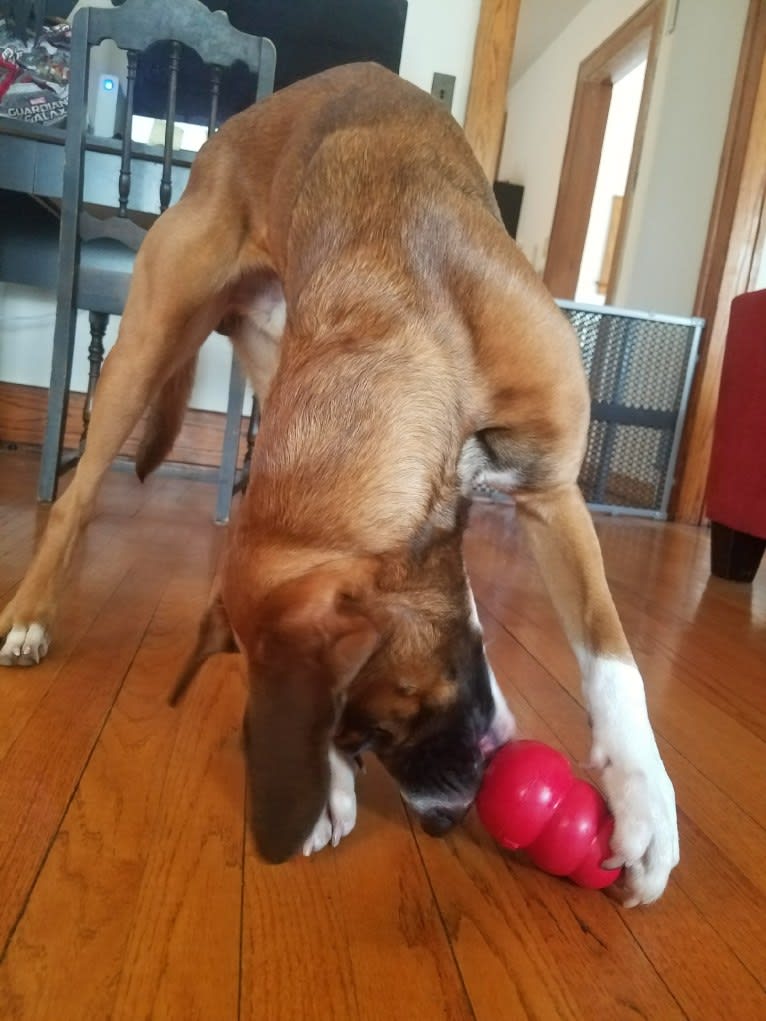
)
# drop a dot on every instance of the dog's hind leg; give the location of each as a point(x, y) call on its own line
point(167, 316)
point(165, 418)
point(213, 636)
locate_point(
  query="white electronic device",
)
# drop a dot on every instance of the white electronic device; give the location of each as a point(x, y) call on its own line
point(105, 106)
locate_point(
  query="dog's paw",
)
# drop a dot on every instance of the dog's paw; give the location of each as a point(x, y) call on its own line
point(319, 836)
point(339, 817)
point(645, 837)
point(24, 645)
point(636, 785)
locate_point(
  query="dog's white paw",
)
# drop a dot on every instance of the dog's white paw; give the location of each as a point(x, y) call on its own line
point(24, 646)
point(339, 817)
point(645, 837)
point(320, 835)
point(635, 782)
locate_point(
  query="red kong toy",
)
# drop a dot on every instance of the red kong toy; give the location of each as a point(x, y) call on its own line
point(530, 799)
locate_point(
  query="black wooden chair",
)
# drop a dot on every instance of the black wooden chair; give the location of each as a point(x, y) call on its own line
point(96, 254)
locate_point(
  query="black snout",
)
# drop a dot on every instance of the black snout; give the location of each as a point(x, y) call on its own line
point(439, 821)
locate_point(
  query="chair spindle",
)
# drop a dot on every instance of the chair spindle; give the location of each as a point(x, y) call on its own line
point(127, 129)
point(98, 324)
point(170, 121)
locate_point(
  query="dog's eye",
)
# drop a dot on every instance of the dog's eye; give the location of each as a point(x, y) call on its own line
point(405, 688)
point(382, 735)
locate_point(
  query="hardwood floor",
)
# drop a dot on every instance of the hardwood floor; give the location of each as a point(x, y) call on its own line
point(128, 885)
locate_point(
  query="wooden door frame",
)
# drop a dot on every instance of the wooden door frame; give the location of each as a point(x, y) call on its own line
point(733, 246)
point(488, 93)
point(637, 38)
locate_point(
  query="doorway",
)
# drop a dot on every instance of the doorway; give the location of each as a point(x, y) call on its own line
point(601, 160)
point(596, 274)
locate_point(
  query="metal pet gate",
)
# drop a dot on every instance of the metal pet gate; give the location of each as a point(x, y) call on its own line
point(640, 368)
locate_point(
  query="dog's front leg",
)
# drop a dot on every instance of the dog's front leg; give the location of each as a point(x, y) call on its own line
point(338, 818)
point(637, 787)
point(167, 316)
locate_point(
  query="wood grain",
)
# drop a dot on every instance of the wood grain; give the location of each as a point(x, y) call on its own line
point(346, 931)
point(732, 232)
point(590, 110)
point(487, 98)
point(130, 889)
point(23, 411)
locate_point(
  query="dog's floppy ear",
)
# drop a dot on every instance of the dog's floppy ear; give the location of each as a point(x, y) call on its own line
point(308, 649)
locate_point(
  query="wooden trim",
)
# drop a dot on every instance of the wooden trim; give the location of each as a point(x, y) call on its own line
point(23, 412)
point(759, 248)
point(487, 98)
point(625, 48)
point(615, 57)
point(733, 240)
point(607, 262)
point(577, 186)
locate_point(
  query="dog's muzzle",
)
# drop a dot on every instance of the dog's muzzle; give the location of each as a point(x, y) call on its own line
point(439, 821)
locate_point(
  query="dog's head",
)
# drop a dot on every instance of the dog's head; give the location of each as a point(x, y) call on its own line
point(426, 702)
point(374, 655)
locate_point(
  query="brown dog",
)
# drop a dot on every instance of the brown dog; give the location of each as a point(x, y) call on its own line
point(401, 346)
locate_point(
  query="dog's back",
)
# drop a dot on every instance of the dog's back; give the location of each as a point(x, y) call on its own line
point(356, 138)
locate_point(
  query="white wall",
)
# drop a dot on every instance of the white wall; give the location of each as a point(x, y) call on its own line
point(439, 36)
point(27, 317)
point(539, 106)
point(694, 79)
point(697, 65)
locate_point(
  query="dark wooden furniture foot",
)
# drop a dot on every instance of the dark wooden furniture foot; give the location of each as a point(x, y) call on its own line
point(734, 555)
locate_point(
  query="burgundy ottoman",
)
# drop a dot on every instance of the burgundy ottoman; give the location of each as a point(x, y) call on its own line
point(736, 491)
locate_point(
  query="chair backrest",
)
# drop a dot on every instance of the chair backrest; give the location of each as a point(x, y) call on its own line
point(134, 27)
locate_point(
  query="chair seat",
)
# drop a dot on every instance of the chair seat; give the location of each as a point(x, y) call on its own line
point(29, 254)
point(105, 271)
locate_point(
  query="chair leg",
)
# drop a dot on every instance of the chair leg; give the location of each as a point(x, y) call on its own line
point(252, 429)
point(230, 451)
point(734, 555)
point(98, 324)
point(58, 401)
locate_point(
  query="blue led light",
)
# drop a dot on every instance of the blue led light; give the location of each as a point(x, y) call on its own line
point(108, 84)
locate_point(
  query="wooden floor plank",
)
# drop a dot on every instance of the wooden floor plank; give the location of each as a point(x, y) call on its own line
point(43, 765)
point(182, 954)
point(129, 890)
point(531, 946)
point(88, 888)
point(90, 589)
point(396, 938)
point(731, 906)
point(338, 935)
point(295, 946)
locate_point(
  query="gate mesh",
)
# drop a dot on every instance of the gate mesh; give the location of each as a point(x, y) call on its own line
point(639, 368)
point(639, 371)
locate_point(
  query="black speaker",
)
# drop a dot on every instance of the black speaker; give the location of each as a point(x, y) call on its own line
point(509, 198)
